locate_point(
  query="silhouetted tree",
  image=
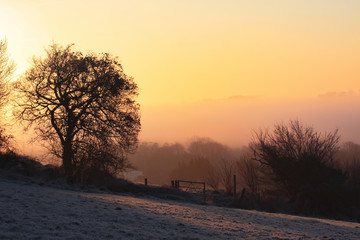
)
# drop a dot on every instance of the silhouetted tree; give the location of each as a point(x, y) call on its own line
point(249, 174)
point(212, 179)
point(226, 173)
point(80, 103)
point(348, 159)
point(7, 68)
point(300, 162)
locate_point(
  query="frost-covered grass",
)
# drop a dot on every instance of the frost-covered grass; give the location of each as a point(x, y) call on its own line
point(32, 211)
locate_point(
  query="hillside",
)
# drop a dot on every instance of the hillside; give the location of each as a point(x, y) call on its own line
point(31, 210)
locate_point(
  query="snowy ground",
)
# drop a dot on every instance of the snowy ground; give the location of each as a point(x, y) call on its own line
point(30, 211)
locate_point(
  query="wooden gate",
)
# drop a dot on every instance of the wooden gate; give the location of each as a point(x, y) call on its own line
point(190, 186)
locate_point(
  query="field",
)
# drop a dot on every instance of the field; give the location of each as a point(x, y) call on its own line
point(30, 210)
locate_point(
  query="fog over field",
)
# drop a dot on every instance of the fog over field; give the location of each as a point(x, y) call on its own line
point(231, 121)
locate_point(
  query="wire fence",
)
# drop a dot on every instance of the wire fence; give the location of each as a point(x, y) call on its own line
point(190, 186)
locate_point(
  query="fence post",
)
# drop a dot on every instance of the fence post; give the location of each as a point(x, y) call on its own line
point(176, 184)
point(234, 188)
point(145, 181)
point(204, 194)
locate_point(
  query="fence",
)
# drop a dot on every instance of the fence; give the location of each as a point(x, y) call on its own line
point(190, 186)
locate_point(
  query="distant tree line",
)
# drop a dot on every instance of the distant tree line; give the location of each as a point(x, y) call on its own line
point(292, 168)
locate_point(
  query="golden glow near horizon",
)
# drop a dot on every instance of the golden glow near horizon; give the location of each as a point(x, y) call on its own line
point(185, 51)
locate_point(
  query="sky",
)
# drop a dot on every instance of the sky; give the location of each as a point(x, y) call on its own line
point(219, 57)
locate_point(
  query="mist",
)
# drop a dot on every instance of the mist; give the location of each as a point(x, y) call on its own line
point(232, 121)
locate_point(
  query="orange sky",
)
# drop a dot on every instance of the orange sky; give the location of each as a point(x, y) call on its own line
point(183, 52)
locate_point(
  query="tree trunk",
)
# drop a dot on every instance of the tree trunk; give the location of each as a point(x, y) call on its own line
point(67, 158)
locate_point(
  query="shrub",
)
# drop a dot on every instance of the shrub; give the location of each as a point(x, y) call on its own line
point(299, 163)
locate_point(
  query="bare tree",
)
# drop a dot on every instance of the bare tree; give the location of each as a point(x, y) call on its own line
point(249, 173)
point(300, 162)
point(293, 141)
point(226, 172)
point(79, 102)
point(4, 141)
point(212, 179)
point(7, 68)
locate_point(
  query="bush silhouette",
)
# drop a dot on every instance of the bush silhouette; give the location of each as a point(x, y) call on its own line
point(299, 163)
